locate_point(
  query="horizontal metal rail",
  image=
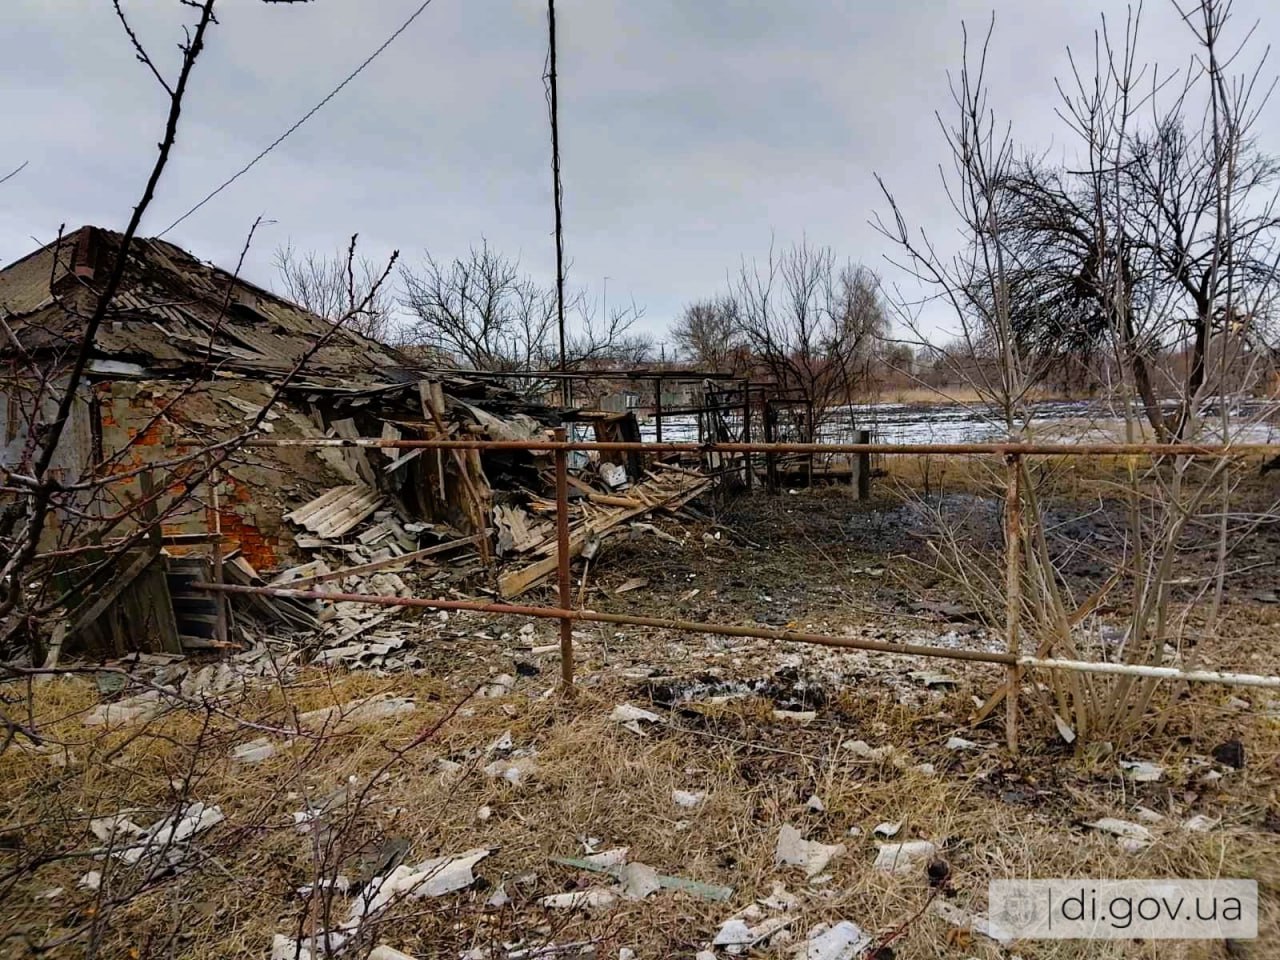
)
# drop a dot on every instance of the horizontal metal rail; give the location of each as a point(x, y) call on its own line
point(1008, 449)
point(761, 633)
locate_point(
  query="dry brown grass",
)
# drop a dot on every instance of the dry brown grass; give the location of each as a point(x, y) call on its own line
point(994, 817)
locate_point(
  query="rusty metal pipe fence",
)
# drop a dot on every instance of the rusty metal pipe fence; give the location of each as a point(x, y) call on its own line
point(1011, 452)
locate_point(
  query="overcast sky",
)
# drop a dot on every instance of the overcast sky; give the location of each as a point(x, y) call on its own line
point(691, 132)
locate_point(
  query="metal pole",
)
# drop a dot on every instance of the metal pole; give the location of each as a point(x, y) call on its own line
point(770, 458)
point(762, 633)
point(657, 408)
point(1013, 591)
point(554, 108)
point(220, 606)
point(562, 565)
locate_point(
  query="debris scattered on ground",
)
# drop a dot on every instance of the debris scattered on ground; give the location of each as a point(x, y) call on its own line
point(1141, 771)
point(976, 922)
point(687, 798)
point(792, 849)
point(1200, 823)
point(843, 941)
point(904, 858)
point(637, 880)
point(631, 717)
point(1131, 837)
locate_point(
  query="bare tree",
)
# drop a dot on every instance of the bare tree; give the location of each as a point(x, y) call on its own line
point(810, 322)
point(707, 333)
point(486, 313)
point(1157, 237)
point(333, 287)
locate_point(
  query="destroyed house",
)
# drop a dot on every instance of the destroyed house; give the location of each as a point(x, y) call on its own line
point(191, 358)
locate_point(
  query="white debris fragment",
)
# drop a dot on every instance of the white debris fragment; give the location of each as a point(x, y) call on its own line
point(340, 884)
point(631, 717)
point(1141, 771)
point(903, 858)
point(794, 850)
point(1121, 828)
point(927, 769)
point(168, 836)
point(687, 798)
point(637, 880)
point(111, 829)
point(597, 898)
point(356, 713)
point(960, 743)
point(431, 878)
point(484, 812)
point(979, 923)
point(864, 751)
point(384, 952)
point(503, 744)
point(801, 717)
point(255, 751)
point(499, 686)
point(626, 953)
point(845, 941)
point(500, 897)
point(932, 678)
point(888, 829)
point(53, 893)
point(1147, 815)
point(815, 804)
point(780, 899)
point(732, 933)
point(514, 771)
point(608, 858)
point(142, 707)
point(1201, 823)
point(91, 880)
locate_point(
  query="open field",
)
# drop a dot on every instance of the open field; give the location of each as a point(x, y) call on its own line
point(733, 726)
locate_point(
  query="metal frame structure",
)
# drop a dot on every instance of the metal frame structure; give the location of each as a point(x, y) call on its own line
point(1012, 452)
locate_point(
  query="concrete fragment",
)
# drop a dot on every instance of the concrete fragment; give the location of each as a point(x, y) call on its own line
point(844, 941)
point(794, 850)
point(255, 751)
point(687, 798)
point(1141, 771)
point(597, 898)
point(901, 859)
point(888, 829)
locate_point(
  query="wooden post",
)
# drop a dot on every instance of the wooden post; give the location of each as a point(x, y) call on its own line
point(746, 432)
point(770, 458)
point(864, 467)
point(1013, 591)
point(220, 625)
point(562, 564)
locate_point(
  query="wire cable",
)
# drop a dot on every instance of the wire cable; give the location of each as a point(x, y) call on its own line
point(305, 117)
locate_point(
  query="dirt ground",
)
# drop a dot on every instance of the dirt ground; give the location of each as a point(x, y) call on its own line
point(764, 734)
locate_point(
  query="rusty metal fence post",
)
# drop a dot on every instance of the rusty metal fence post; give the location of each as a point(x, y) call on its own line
point(562, 563)
point(220, 624)
point(1013, 590)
